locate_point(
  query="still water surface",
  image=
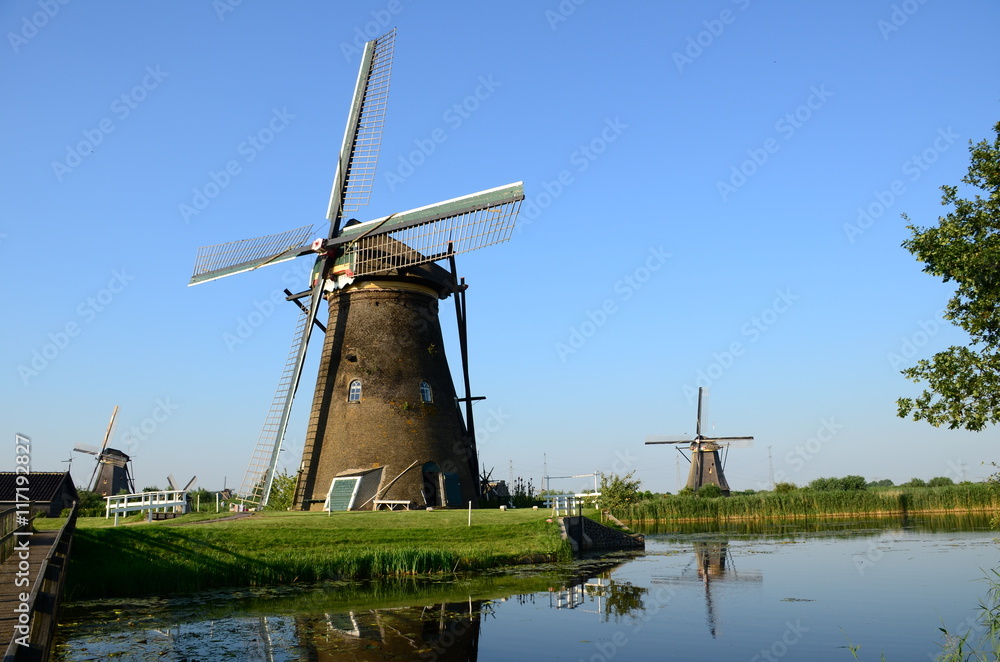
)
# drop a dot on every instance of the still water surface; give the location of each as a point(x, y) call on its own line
point(751, 592)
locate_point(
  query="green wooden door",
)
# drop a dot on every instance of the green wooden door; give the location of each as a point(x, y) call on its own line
point(342, 491)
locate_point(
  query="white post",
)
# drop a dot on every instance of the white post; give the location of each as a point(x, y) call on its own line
point(216, 502)
point(470, 513)
point(197, 503)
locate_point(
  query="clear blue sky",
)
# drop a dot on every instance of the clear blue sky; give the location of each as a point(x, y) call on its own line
point(694, 174)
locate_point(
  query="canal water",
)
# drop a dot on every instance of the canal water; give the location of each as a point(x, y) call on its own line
point(802, 591)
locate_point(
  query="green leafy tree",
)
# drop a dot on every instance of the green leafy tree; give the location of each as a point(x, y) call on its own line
point(849, 483)
point(709, 491)
point(91, 504)
point(885, 482)
point(845, 484)
point(915, 482)
point(823, 484)
point(940, 481)
point(618, 491)
point(963, 383)
point(282, 492)
point(202, 498)
point(783, 488)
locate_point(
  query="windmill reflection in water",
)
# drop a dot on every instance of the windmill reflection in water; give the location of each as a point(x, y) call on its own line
point(713, 567)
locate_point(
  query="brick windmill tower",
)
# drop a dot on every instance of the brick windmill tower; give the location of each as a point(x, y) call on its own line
point(386, 427)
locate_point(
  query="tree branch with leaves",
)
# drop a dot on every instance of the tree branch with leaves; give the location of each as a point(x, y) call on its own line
point(963, 382)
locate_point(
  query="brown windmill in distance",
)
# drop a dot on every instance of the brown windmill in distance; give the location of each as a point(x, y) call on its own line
point(707, 467)
point(111, 475)
point(386, 426)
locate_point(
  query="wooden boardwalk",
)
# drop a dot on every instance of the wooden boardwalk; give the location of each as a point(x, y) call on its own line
point(39, 545)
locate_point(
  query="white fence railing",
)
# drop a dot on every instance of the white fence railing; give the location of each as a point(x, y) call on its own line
point(567, 504)
point(165, 501)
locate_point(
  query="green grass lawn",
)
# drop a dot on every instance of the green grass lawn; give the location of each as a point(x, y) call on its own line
point(279, 548)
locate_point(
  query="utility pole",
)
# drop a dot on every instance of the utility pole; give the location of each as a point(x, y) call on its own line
point(770, 467)
point(545, 472)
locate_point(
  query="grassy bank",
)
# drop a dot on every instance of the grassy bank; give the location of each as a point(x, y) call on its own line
point(805, 503)
point(279, 548)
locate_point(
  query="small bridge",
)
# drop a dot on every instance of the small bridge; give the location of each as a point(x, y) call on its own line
point(568, 504)
point(32, 572)
point(165, 501)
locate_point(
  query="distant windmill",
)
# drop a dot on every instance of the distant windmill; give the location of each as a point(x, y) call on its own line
point(384, 423)
point(111, 474)
point(172, 482)
point(706, 465)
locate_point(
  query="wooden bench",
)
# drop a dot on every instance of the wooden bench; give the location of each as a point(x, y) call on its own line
point(390, 504)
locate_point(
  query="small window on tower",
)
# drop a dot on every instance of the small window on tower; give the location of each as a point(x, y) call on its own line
point(425, 392)
point(354, 394)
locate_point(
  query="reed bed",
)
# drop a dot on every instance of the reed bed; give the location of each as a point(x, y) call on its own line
point(810, 503)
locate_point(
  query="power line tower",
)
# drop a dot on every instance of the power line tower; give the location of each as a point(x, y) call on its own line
point(770, 467)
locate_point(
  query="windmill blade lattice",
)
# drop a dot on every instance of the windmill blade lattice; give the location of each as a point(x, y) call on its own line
point(430, 233)
point(669, 439)
point(256, 485)
point(367, 139)
point(235, 257)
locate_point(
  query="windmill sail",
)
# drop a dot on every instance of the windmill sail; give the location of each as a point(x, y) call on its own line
point(259, 477)
point(236, 257)
point(431, 233)
point(352, 184)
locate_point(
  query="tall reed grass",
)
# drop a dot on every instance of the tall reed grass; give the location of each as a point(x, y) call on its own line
point(810, 503)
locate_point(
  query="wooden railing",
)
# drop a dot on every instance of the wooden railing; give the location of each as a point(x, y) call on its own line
point(164, 501)
point(9, 529)
point(568, 504)
point(43, 601)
